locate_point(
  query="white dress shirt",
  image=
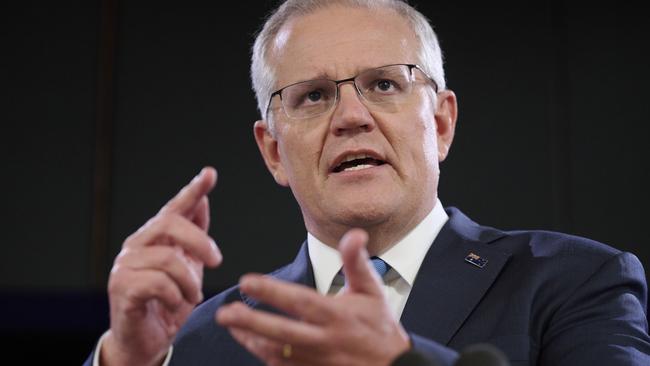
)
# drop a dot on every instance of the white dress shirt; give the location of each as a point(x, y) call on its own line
point(404, 258)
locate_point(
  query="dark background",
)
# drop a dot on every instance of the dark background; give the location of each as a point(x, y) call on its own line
point(110, 106)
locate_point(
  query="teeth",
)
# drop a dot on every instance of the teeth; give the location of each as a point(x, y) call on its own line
point(358, 167)
point(354, 157)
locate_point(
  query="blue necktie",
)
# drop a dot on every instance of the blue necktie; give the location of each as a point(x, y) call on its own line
point(380, 266)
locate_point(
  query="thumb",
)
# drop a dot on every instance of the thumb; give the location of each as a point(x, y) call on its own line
point(360, 276)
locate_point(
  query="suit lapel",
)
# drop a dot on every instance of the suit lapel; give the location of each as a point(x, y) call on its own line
point(299, 271)
point(447, 288)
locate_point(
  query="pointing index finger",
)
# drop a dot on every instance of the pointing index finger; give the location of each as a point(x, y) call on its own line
point(190, 196)
point(359, 274)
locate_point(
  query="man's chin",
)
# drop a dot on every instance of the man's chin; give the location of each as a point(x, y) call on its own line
point(363, 214)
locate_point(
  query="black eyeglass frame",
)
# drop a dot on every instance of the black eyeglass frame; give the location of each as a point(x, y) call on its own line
point(341, 81)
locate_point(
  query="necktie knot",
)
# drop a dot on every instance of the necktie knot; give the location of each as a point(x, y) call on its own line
point(380, 266)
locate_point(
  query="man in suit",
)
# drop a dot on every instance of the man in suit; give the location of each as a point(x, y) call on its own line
point(356, 119)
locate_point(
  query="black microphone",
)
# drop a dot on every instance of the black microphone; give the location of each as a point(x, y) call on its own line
point(413, 358)
point(482, 354)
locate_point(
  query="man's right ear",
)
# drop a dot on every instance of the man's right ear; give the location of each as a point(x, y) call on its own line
point(269, 149)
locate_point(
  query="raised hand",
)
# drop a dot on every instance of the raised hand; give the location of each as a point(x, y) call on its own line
point(354, 328)
point(157, 277)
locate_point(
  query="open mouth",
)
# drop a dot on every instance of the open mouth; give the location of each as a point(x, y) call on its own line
point(357, 162)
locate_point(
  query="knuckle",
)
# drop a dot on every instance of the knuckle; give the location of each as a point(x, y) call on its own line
point(162, 229)
point(132, 240)
point(114, 281)
point(131, 293)
point(122, 256)
point(160, 286)
point(281, 333)
point(175, 298)
point(162, 222)
point(301, 303)
point(165, 289)
point(129, 239)
point(167, 257)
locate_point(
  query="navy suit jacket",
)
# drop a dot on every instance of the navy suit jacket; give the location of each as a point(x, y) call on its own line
point(543, 298)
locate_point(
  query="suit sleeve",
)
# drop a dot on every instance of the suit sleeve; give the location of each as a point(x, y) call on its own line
point(604, 321)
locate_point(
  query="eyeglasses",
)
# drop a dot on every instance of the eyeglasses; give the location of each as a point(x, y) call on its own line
point(385, 87)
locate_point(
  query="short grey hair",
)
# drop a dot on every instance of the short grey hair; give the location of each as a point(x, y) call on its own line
point(263, 75)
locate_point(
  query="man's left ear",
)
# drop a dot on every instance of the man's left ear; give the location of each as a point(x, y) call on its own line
point(446, 115)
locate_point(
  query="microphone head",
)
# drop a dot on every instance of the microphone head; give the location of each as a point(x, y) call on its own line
point(482, 354)
point(413, 358)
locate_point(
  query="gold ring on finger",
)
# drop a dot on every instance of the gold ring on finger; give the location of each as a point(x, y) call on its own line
point(286, 350)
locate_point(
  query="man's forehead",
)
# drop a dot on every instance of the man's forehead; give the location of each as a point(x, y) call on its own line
point(335, 43)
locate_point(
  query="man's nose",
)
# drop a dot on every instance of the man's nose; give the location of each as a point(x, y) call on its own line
point(350, 114)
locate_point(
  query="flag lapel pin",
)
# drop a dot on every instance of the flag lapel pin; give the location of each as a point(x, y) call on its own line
point(476, 260)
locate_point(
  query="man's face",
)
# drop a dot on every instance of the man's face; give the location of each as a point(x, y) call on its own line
point(395, 181)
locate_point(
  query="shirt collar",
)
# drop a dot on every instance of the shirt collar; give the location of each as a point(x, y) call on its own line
point(405, 257)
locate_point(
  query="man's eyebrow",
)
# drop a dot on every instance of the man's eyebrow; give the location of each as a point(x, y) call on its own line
point(321, 75)
point(325, 75)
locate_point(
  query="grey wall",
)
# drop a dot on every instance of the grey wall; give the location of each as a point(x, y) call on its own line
point(110, 107)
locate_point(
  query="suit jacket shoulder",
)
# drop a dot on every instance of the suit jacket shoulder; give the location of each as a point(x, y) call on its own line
point(542, 297)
